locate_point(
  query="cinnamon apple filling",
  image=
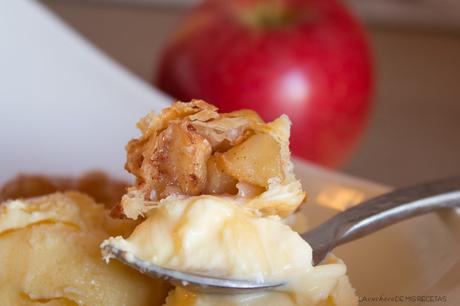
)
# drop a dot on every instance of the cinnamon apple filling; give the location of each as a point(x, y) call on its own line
point(191, 150)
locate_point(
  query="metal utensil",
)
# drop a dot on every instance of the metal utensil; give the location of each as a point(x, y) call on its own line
point(354, 223)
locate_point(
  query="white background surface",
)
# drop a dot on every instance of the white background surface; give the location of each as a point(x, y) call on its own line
point(65, 108)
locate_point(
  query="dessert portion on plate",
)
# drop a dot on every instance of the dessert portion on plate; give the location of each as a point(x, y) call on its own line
point(212, 194)
point(49, 255)
point(214, 190)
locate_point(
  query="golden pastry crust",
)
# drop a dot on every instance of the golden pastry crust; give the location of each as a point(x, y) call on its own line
point(98, 185)
point(190, 149)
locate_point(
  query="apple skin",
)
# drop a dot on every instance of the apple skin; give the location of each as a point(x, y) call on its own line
point(313, 65)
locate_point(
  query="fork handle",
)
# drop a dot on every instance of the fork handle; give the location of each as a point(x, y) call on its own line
point(382, 211)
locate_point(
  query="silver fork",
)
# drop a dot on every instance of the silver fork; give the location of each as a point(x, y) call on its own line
point(354, 223)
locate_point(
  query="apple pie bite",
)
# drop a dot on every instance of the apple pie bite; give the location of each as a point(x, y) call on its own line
point(216, 189)
point(190, 150)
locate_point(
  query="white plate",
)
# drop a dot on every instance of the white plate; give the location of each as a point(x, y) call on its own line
point(66, 108)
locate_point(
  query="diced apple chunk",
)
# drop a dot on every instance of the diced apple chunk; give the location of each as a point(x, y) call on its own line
point(254, 161)
point(218, 182)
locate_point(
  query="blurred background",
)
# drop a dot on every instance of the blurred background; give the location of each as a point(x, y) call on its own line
point(414, 127)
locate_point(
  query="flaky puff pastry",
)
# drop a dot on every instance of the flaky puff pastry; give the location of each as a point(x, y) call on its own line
point(190, 150)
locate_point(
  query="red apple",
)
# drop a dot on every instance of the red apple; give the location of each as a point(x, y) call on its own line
point(308, 59)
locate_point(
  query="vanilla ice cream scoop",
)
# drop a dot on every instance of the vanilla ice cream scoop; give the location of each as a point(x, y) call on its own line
point(213, 239)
